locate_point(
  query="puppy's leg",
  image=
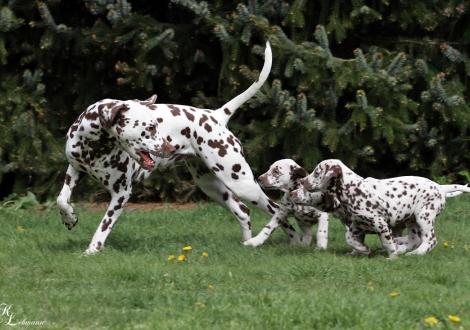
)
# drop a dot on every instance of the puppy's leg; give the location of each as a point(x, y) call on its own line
point(355, 239)
point(67, 213)
point(413, 237)
point(279, 219)
point(388, 240)
point(425, 222)
point(322, 232)
point(307, 234)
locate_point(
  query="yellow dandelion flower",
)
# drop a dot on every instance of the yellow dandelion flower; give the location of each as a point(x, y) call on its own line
point(20, 228)
point(394, 294)
point(204, 255)
point(187, 248)
point(172, 257)
point(446, 244)
point(431, 320)
point(211, 287)
point(181, 257)
point(454, 318)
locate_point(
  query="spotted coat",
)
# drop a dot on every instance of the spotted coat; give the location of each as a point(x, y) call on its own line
point(378, 205)
point(118, 142)
point(285, 175)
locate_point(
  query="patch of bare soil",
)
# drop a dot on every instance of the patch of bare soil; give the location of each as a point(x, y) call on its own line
point(100, 207)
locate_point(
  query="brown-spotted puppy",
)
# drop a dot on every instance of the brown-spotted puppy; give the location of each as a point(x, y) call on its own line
point(112, 139)
point(378, 205)
point(285, 175)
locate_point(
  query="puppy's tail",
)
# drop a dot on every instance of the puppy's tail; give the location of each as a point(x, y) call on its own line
point(452, 190)
point(229, 108)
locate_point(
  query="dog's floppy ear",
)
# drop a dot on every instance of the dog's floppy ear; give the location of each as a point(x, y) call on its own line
point(331, 172)
point(299, 172)
point(331, 202)
point(108, 113)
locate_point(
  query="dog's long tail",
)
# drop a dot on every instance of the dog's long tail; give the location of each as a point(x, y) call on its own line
point(452, 190)
point(229, 108)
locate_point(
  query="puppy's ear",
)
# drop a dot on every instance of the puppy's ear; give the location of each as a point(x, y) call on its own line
point(331, 172)
point(331, 202)
point(108, 113)
point(298, 173)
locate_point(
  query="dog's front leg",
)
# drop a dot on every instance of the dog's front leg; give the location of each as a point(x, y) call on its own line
point(322, 232)
point(67, 213)
point(115, 208)
point(355, 239)
point(388, 240)
point(278, 219)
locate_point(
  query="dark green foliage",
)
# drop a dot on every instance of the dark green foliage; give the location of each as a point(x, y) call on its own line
point(380, 85)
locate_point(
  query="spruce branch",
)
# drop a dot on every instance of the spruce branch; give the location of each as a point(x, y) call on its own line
point(452, 54)
point(396, 64)
point(46, 16)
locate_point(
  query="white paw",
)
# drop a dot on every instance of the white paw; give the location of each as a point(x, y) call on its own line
point(401, 249)
point(354, 253)
point(415, 252)
point(90, 251)
point(392, 256)
point(253, 242)
point(402, 240)
point(69, 221)
point(295, 241)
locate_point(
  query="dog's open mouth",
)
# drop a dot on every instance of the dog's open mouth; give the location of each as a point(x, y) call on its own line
point(146, 160)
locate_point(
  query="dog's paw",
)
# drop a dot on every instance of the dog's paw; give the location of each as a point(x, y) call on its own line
point(413, 253)
point(253, 242)
point(392, 256)
point(354, 253)
point(402, 240)
point(69, 220)
point(90, 251)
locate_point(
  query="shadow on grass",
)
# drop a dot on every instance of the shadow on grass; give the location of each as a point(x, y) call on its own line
point(71, 245)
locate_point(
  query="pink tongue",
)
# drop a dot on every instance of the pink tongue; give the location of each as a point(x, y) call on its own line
point(147, 160)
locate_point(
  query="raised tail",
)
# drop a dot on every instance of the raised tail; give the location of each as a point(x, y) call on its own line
point(452, 190)
point(229, 108)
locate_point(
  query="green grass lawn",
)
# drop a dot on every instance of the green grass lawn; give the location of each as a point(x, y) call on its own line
point(133, 285)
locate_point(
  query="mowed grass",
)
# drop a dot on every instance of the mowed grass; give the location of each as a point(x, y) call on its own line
point(133, 285)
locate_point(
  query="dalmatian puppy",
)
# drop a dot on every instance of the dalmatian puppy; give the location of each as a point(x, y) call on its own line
point(120, 142)
point(285, 175)
point(378, 205)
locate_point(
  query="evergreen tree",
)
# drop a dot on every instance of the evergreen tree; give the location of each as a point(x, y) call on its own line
point(380, 85)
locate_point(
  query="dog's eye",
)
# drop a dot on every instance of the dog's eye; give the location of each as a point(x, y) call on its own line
point(151, 129)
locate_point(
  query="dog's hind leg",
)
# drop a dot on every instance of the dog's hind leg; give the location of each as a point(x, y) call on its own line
point(220, 193)
point(216, 190)
point(67, 213)
point(425, 227)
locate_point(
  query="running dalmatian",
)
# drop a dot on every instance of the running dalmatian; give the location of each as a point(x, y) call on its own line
point(378, 205)
point(121, 142)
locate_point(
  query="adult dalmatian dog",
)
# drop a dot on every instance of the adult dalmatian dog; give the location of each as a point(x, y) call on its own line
point(285, 175)
point(121, 142)
point(378, 205)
